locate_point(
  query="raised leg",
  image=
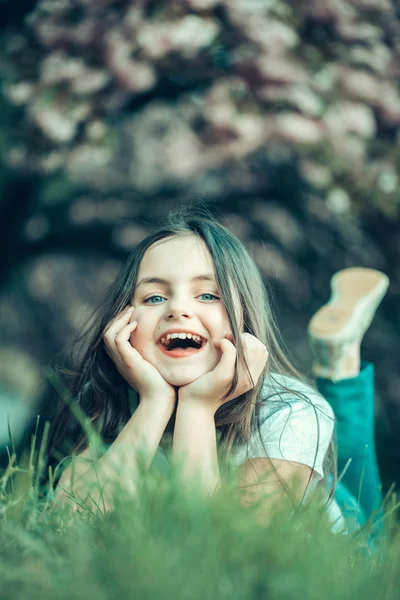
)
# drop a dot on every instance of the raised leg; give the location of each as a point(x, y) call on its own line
point(335, 334)
point(352, 400)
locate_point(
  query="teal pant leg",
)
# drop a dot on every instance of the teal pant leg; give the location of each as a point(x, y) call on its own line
point(352, 401)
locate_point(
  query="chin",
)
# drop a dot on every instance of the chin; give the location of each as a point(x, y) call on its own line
point(179, 380)
point(182, 376)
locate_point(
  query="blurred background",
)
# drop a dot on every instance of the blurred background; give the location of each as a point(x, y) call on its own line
point(283, 117)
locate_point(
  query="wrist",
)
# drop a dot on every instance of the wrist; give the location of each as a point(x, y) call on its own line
point(196, 407)
point(156, 404)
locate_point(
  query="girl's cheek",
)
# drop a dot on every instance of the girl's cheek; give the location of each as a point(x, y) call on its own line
point(135, 335)
point(136, 313)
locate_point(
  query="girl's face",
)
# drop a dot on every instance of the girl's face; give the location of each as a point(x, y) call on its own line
point(179, 300)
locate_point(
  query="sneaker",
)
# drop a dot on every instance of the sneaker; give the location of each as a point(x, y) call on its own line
point(356, 295)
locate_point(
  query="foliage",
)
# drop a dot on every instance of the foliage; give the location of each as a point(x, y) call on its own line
point(170, 542)
point(143, 94)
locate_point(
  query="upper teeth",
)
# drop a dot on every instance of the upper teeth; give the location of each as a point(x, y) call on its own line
point(182, 336)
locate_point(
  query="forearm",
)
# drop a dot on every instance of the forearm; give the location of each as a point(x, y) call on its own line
point(140, 436)
point(195, 445)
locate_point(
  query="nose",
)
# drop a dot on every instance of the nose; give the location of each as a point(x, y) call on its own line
point(178, 307)
point(176, 313)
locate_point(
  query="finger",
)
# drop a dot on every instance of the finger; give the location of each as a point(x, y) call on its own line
point(251, 344)
point(123, 337)
point(112, 353)
point(114, 325)
point(125, 331)
point(226, 366)
point(110, 340)
point(229, 336)
point(119, 320)
point(248, 356)
point(122, 343)
point(128, 309)
point(256, 356)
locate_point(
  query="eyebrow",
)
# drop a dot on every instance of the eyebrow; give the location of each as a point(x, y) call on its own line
point(144, 280)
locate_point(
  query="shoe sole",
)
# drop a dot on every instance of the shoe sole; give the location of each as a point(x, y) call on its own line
point(356, 294)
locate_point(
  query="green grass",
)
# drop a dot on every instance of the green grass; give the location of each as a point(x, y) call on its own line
point(170, 542)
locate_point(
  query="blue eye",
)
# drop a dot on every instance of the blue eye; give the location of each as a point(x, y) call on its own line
point(151, 297)
point(147, 301)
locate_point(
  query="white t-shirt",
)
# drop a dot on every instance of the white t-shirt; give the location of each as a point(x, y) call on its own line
point(294, 428)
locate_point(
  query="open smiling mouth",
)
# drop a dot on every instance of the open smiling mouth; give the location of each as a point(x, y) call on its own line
point(178, 348)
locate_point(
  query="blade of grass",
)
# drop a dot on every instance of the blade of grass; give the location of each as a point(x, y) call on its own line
point(93, 437)
point(10, 434)
point(345, 468)
point(40, 461)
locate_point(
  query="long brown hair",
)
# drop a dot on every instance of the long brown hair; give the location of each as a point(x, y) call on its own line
point(103, 393)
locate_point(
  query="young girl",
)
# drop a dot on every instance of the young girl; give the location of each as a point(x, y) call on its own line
point(183, 360)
